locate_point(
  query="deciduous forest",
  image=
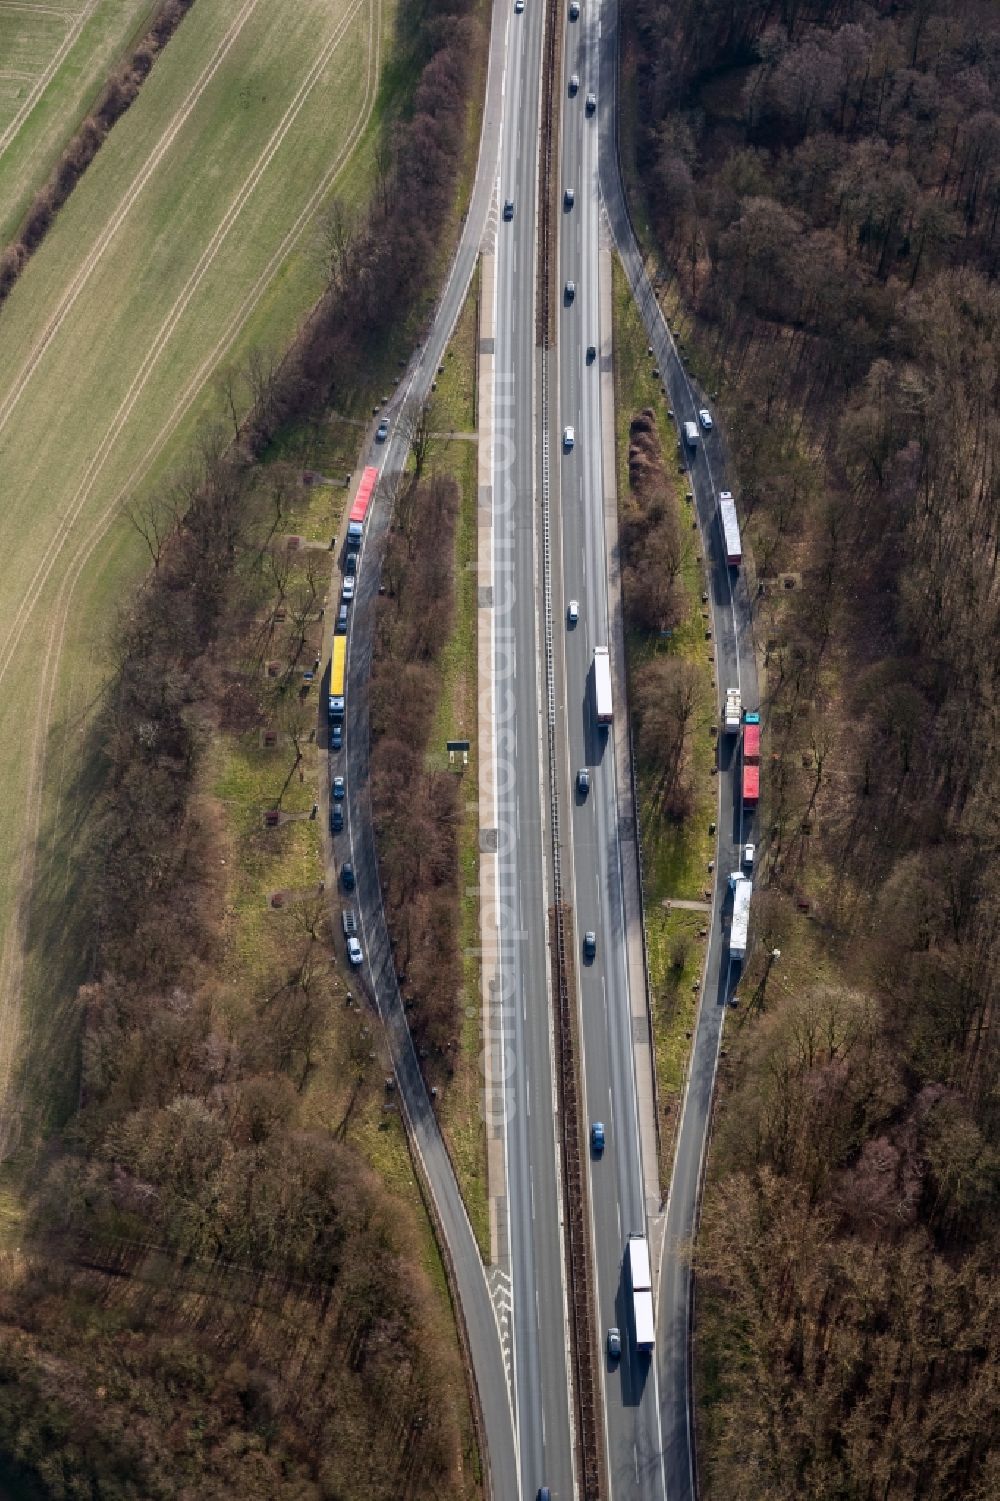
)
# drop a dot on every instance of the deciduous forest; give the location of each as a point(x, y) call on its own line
point(823, 183)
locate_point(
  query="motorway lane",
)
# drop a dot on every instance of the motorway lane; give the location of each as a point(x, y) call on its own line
point(634, 1442)
point(732, 627)
point(539, 1346)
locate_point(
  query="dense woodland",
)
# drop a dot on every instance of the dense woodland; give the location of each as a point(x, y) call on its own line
point(217, 1296)
point(823, 182)
point(416, 802)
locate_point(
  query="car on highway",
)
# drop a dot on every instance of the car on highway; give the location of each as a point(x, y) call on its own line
point(347, 876)
point(574, 10)
point(354, 952)
point(574, 85)
point(569, 198)
point(589, 946)
point(518, 7)
point(749, 851)
point(597, 1138)
point(336, 737)
point(338, 790)
point(544, 1494)
point(508, 209)
point(705, 418)
point(569, 291)
point(569, 438)
point(341, 626)
point(347, 592)
point(591, 353)
point(614, 1344)
point(583, 781)
point(591, 103)
point(336, 818)
point(382, 431)
point(573, 613)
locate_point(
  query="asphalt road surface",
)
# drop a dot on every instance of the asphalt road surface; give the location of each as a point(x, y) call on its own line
point(631, 1402)
point(534, 1195)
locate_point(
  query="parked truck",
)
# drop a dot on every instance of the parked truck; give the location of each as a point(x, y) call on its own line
point(733, 713)
point(640, 1284)
point(741, 887)
point(730, 529)
point(602, 685)
point(338, 666)
point(751, 761)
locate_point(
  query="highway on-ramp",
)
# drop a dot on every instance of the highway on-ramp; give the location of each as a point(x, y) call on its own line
point(731, 621)
point(357, 844)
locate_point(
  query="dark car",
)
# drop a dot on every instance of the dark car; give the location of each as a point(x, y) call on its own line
point(583, 781)
point(569, 291)
point(382, 431)
point(569, 198)
point(597, 1138)
point(589, 947)
point(336, 737)
point(336, 818)
point(347, 876)
point(614, 1344)
point(508, 209)
point(591, 354)
point(338, 789)
point(591, 103)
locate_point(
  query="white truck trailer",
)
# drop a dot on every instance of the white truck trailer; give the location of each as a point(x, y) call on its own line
point(641, 1287)
point(741, 887)
point(733, 713)
point(691, 435)
point(602, 685)
point(730, 529)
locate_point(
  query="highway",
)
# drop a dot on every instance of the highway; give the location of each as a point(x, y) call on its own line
point(732, 629)
point(647, 1403)
point(633, 1442)
point(534, 1217)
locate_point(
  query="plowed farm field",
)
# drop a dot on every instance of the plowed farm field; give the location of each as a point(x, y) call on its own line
point(191, 237)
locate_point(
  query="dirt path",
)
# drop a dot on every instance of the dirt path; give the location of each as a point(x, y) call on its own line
point(12, 962)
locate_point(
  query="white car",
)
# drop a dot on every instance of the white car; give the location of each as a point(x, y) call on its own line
point(573, 613)
point(354, 952)
point(749, 851)
point(347, 592)
point(569, 438)
point(705, 418)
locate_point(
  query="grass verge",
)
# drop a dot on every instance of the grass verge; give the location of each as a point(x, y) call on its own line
point(453, 410)
point(675, 855)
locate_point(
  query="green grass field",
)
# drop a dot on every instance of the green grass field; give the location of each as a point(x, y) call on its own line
point(54, 58)
point(189, 238)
